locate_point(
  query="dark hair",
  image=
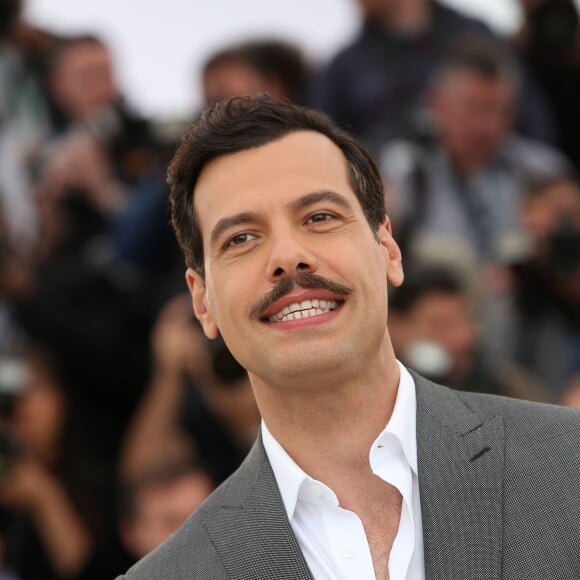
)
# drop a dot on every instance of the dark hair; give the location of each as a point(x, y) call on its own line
point(269, 58)
point(161, 474)
point(483, 56)
point(280, 60)
point(222, 57)
point(243, 123)
point(65, 43)
point(422, 282)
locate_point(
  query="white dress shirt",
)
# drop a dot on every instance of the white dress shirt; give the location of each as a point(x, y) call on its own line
point(333, 539)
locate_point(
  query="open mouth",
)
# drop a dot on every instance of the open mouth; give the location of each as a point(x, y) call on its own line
point(304, 309)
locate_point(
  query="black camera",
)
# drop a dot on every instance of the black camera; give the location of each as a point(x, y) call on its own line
point(9, 451)
point(224, 365)
point(564, 249)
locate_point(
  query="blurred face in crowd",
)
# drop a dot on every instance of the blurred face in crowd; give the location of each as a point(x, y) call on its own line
point(82, 82)
point(161, 508)
point(39, 412)
point(444, 319)
point(269, 215)
point(395, 12)
point(474, 114)
point(231, 79)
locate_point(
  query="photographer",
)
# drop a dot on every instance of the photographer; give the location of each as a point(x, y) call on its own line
point(537, 323)
point(100, 152)
point(102, 206)
point(199, 402)
point(435, 330)
point(47, 512)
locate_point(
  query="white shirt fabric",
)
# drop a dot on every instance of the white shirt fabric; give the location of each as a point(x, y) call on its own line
point(333, 539)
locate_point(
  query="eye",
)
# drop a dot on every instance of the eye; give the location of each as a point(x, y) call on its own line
point(320, 217)
point(240, 239)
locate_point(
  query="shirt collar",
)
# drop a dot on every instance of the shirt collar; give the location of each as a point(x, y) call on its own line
point(289, 476)
point(402, 425)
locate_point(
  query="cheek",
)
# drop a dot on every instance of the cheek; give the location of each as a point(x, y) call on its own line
point(221, 302)
point(228, 303)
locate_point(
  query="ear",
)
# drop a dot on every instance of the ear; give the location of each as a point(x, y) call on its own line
point(392, 253)
point(198, 293)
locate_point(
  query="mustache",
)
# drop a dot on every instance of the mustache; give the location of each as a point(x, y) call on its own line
point(305, 280)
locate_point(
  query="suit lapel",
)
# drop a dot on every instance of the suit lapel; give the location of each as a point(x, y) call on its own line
point(249, 526)
point(460, 480)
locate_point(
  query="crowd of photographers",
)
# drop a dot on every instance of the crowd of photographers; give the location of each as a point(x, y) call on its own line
point(117, 416)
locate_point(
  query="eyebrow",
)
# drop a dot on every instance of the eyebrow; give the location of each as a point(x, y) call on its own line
point(231, 221)
point(318, 196)
point(303, 202)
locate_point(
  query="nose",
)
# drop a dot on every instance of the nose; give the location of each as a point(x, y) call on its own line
point(288, 257)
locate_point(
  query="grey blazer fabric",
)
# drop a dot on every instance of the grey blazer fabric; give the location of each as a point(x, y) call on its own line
point(499, 481)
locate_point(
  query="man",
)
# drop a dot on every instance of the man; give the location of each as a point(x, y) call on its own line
point(361, 470)
point(434, 330)
point(376, 86)
point(465, 187)
point(255, 67)
point(158, 501)
point(537, 317)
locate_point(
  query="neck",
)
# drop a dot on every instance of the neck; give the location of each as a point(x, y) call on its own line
point(330, 413)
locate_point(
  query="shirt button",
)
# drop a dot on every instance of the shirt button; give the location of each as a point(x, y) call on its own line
point(347, 554)
point(315, 491)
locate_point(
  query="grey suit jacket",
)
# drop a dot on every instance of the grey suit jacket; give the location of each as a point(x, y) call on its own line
point(499, 481)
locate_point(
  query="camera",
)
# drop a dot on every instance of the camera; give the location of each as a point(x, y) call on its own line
point(564, 248)
point(224, 365)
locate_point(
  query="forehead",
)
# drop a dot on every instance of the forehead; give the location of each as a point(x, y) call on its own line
point(81, 51)
point(266, 177)
point(463, 83)
point(441, 304)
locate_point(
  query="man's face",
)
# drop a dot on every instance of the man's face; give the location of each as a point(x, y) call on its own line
point(161, 509)
point(232, 79)
point(280, 213)
point(83, 81)
point(474, 114)
point(445, 319)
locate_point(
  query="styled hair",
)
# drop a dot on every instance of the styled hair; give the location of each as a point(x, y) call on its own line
point(243, 123)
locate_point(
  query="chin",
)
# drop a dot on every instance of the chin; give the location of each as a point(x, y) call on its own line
point(314, 365)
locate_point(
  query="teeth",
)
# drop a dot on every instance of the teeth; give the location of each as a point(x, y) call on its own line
point(304, 309)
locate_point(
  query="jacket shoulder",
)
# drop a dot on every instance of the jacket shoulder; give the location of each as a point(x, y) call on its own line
point(537, 435)
point(528, 426)
point(528, 417)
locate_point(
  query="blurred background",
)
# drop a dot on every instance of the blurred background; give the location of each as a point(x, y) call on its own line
point(117, 416)
point(160, 48)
